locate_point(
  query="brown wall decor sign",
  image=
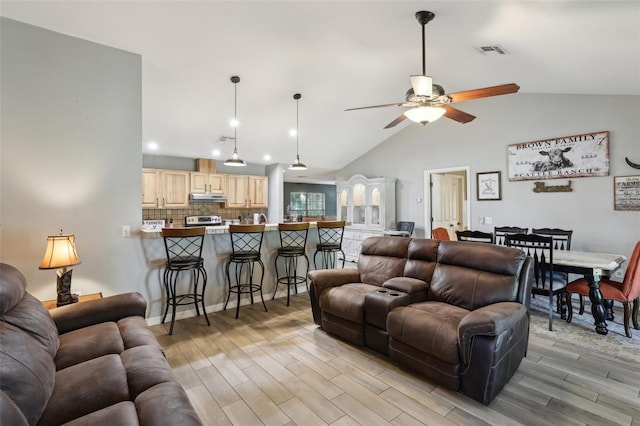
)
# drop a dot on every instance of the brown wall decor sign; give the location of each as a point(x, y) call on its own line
point(626, 192)
point(543, 187)
point(562, 157)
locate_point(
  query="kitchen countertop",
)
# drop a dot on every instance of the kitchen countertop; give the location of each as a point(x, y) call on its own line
point(222, 229)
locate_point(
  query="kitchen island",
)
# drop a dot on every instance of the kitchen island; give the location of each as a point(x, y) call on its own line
point(216, 251)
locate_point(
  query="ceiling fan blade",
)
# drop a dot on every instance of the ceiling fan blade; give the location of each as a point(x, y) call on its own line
point(395, 122)
point(503, 89)
point(457, 115)
point(374, 106)
point(422, 85)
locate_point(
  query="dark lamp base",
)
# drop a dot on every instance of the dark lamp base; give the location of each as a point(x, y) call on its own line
point(64, 289)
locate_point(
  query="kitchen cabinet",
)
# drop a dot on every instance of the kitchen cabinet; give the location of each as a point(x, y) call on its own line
point(207, 183)
point(165, 188)
point(247, 191)
point(369, 205)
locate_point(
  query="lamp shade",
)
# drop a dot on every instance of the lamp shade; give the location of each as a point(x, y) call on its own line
point(424, 114)
point(60, 253)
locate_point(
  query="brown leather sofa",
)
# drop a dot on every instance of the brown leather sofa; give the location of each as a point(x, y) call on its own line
point(94, 363)
point(456, 312)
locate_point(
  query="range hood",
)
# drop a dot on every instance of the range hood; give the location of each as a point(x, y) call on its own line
point(206, 198)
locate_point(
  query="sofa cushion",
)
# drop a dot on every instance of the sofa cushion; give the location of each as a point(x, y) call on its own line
point(88, 343)
point(146, 366)
point(86, 387)
point(421, 259)
point(134, 331)
point(27, 370)
point(471, 278)
point(120, 414)
point(165, 404)
point(430, 327)
point(382, 258)
point(21, 309)
point(347, 301)
point(10, 414)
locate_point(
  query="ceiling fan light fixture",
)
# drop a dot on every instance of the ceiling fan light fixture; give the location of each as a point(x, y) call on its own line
point(424, 114)
point(297, 165)
point(422, 85)
point(235, 160)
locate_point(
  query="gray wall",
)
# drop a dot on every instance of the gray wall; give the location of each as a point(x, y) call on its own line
point(71, 157)
point(482, 145)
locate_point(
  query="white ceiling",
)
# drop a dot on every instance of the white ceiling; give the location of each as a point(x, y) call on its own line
point(338, 55)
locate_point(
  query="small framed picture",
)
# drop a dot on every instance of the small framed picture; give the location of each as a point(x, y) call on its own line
point(626, 192)
point(488, 185)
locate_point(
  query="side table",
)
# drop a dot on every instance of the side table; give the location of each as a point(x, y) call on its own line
point(51, 304)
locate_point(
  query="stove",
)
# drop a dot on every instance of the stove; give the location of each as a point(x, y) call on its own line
point(202, 220)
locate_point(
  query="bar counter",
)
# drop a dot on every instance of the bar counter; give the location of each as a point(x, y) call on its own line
point(216, 251)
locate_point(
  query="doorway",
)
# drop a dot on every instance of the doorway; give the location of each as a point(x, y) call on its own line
point(447, 202)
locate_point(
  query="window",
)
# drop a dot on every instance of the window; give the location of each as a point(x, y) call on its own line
point(307, 203)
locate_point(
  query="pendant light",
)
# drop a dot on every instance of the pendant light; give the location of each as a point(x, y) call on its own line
point(297, 165)
point(235, 160)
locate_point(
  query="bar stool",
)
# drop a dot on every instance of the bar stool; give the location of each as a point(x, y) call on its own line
point(246, 242)
point(183, 247)
point(293, 242)
point(330, 243)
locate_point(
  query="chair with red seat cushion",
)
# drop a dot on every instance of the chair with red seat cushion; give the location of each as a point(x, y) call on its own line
point(625, 292)
point(440, 234)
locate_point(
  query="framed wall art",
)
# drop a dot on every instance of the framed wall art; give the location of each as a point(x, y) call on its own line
point(563, 157)
point(488, 186)
point(626, 192)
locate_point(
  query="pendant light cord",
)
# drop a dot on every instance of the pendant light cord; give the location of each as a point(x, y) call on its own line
point(235, 116)
point(297, 128)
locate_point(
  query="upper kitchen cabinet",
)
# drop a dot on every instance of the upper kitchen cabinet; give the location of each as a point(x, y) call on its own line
point(207, 183)
point(369, 205)
point(165, 188)
point(247, 191)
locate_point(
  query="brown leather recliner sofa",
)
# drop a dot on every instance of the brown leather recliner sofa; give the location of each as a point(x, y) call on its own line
point(456, 312)
point(95, 362)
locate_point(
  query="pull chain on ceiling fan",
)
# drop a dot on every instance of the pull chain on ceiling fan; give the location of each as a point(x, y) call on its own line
point(428, 101)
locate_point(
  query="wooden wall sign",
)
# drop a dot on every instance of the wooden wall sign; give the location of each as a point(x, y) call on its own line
point(626, 194)
point(563, 157)
point(543, 187)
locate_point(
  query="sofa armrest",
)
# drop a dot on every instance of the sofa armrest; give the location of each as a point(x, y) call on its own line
point(406, 284)
point(112, 308)
point(322, 279)
point(490, 320)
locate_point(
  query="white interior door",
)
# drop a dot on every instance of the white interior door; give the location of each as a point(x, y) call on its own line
point(447, 201)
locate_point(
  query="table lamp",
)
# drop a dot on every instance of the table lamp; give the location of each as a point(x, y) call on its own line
point(61, 253)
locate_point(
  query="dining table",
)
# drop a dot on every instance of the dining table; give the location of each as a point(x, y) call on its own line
point(593, 266)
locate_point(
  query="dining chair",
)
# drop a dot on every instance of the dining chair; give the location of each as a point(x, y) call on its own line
point(405, 226)
point(625, 292)
point(500, 231)
point(475, 236)
point(540, 249)
point(561, 241)
point(440, 234)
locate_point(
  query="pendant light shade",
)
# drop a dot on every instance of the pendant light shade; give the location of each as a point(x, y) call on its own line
point(235, 160)
point(297, 165)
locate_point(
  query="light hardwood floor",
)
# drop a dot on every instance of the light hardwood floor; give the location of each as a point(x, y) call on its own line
point(279, 368)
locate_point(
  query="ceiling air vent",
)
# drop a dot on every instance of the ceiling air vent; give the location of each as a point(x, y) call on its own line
point(226, 139)
point(494, 50)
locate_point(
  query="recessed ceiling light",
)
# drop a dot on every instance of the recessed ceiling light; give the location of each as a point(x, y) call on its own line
point(233, 122)
point(152, 145)
point(215, 152)
point(267, 157)
point(293, 132)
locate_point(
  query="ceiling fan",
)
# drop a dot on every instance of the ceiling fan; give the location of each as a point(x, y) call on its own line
point(428, 101)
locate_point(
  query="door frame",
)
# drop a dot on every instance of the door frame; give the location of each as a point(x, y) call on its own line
point(427, 195)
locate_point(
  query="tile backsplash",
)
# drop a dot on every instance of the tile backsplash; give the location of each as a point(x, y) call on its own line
point(178, 215)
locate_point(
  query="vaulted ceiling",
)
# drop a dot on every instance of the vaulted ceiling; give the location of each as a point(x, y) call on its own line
point(338, 55)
